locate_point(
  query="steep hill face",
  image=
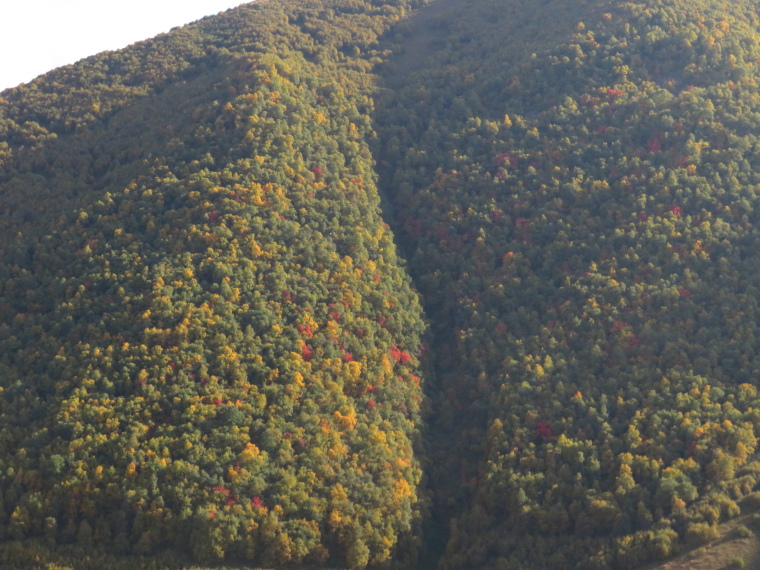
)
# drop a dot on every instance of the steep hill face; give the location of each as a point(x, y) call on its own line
point(207, 342)
point(210, 351)
point(581, 220)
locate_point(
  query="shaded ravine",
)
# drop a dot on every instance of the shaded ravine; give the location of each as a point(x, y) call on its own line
point(424, 32)
point(455, 449)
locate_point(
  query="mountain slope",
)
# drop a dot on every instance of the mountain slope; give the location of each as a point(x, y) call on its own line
point(210, 351)
point(207, 342)
point(580, 218)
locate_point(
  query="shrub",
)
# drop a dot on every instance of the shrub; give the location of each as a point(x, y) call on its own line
point(701, 533)
point(743, 532)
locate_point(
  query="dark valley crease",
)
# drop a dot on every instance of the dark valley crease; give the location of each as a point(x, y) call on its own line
point(211, 352)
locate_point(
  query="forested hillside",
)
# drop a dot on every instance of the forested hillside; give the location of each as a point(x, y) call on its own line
point(210, 351)
point(207, 343)
point(577, 193)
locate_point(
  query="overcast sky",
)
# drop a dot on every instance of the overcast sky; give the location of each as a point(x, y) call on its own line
point(39, 35)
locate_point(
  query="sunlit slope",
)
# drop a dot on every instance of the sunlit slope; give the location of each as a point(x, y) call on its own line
point(581, 221)
point(338, 36)
point(206, 340)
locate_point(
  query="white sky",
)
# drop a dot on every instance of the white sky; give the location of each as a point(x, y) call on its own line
point(39, 35)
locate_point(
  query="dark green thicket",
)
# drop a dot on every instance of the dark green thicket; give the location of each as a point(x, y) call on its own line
point(207, 343)
point(576, 187)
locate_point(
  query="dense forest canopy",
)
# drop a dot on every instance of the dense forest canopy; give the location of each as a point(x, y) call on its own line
point(211, 352)
point(581, 222)
point(207, 342)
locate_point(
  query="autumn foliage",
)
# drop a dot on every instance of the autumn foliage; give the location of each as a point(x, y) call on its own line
point(211, 353)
